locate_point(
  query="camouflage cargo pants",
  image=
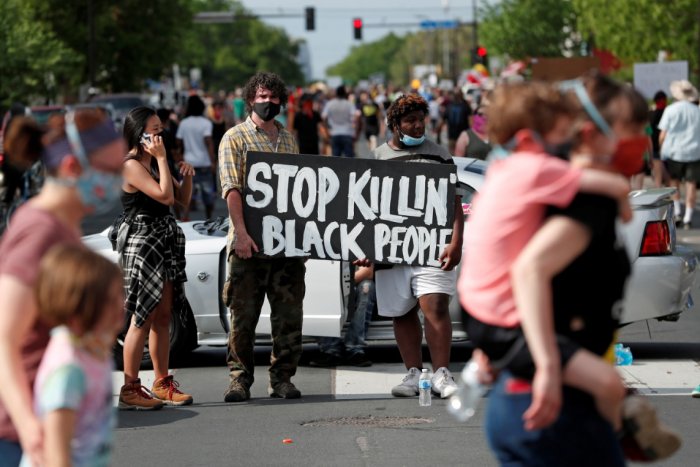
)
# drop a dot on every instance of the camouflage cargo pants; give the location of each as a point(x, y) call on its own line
point(249, 280)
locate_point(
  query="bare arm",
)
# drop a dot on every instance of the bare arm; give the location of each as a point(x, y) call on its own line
point(59, 427)
point(608, 184)
point(244, 246)
point(461, 144)
point(17, 315)
point(183, 194)
point(452, 254)
point(555, 245)
point(139, 178)
point(604, 183)
point(662, 138)
point(364, 273)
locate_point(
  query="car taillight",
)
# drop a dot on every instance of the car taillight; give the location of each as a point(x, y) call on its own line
point(656, 240)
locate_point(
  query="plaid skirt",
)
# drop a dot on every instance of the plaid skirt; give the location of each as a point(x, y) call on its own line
point(154, 252)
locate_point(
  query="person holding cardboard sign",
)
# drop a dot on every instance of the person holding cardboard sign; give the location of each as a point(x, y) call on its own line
point(403, 289)
point(252, 276)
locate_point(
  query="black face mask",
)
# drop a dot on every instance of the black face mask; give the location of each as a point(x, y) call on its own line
point(266, 110)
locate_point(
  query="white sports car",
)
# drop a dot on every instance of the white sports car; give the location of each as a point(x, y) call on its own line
point(663, 274)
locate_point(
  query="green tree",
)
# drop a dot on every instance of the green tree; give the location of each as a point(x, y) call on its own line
point(636, 31)
point(134, 40)
point(528, 28)
point(33, 58)
point(228, 54)
point(367, 59)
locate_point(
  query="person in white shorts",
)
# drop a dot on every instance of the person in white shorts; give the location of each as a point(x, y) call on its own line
point(402, 289)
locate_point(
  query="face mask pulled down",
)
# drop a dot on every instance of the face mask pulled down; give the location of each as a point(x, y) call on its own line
point(411, 141)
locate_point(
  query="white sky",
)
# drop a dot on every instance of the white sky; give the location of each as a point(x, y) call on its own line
point(333, 37)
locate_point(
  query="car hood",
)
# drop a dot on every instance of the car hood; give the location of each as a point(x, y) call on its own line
point(198, 241)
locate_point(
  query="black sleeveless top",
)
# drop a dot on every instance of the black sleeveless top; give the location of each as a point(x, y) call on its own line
point(141, 203)
point(477, 147)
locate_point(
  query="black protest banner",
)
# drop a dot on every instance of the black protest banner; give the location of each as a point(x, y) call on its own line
point(341, 208)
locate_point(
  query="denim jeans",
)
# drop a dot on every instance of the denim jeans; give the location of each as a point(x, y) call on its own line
point(203, 185)
point(342, 145)
point(354, 340)
point(10, 453)
point(579, 437)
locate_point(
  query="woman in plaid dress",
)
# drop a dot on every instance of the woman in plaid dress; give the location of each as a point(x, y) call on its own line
point(152, 255)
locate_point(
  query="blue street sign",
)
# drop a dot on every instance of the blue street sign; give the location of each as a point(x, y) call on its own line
point(442, 24)
point(447, 24)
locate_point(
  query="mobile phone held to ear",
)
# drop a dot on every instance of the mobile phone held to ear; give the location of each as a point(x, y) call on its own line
point(146, 139)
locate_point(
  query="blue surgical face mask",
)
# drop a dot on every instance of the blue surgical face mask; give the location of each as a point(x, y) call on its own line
point(410, 140)
point(99, 191)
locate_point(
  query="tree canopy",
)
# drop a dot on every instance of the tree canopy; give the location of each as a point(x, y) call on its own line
point(47, 41)
point(637, 31)
point(528, 28)
point(368, 59)
point(228, 54)
point(34, 59)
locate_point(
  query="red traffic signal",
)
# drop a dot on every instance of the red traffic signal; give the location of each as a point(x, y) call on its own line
point(357, 28)
point(481, 51)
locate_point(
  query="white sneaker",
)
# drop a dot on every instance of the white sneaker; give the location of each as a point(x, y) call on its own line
point(409, 385)
point(443, 384)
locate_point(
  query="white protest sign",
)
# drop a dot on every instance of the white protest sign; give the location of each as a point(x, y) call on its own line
point(658, 76)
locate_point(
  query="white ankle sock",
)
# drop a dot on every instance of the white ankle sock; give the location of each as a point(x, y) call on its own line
point(688, 215)
point(677, 208)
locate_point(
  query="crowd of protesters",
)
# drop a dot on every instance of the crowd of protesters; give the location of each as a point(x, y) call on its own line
point(562, 137)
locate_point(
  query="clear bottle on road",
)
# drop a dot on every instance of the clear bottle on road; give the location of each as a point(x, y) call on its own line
point(424, 396)
point(462, 404)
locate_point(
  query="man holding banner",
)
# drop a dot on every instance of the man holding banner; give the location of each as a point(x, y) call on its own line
point(252, 276)
point(403, 289)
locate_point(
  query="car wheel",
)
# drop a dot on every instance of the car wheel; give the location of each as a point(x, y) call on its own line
point(183, 340)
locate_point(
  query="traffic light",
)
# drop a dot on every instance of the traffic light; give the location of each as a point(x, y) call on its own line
point(357, 27)
point(480, 55)
point(310, 18)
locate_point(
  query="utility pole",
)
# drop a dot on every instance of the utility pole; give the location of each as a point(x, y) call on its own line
point(475, 21)
point(446, 44)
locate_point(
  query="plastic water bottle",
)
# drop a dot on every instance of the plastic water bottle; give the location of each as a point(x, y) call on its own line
point(424, 395)
point(623, 355)
point(462, 404)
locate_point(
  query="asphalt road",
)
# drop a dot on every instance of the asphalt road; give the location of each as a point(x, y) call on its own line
point(346, 416)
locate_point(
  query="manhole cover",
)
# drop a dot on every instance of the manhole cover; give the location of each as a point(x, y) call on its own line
point(370, 421)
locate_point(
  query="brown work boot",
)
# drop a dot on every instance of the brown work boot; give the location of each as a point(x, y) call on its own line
point(238, 391)
point(645, 438)
point(166, 389)
point(284, 390)
point(133, 396)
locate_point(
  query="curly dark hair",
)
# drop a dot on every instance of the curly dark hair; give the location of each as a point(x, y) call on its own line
point(403, 106)
point(266, 80)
